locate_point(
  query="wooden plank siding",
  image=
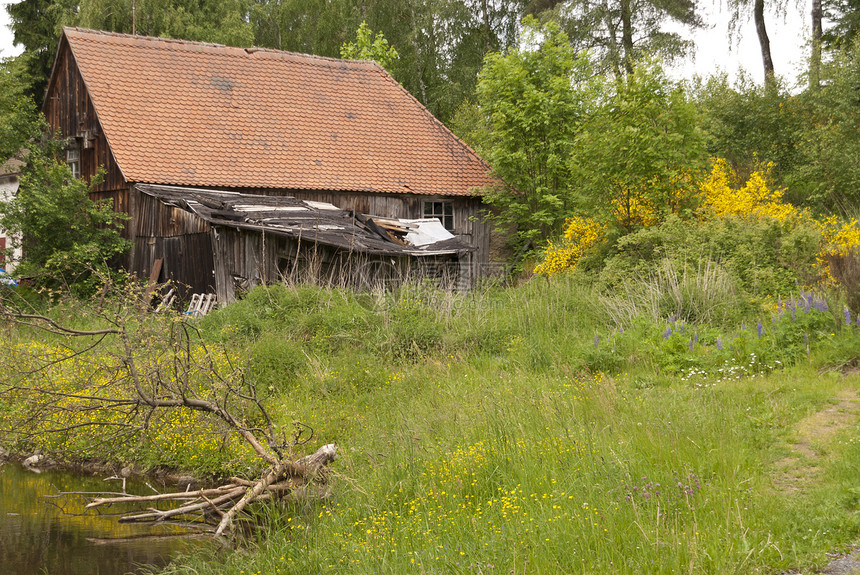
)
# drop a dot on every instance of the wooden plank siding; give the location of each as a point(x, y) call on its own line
point(180, 238)
point(70, 113)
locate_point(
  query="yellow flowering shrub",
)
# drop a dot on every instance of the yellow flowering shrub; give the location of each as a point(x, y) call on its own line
point(755, 199)
point(719, 195)
point(839, 238)
point(631, 211)
point(580, 234)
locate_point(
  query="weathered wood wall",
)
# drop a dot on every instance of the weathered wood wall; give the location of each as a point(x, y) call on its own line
point(70, 113)
point(178, 237)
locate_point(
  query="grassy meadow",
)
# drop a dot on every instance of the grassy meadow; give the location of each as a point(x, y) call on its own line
point(524, 431)
point(546, 428)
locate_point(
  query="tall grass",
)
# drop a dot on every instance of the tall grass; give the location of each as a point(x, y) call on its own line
point(549, 428)
point(704, 293)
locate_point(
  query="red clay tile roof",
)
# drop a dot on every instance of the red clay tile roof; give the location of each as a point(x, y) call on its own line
point(196, 114)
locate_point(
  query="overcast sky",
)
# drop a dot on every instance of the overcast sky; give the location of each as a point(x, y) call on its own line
point(788, 35)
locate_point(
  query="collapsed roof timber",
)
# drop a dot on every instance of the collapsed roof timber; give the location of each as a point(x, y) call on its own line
point(223, 241)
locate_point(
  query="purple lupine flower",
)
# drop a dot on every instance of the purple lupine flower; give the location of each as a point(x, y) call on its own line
point(743, 326)
point(690, 345)
point(672, 318)
point(847, 316)
point(858, 320)
point(596, 341)
point(681, 329)
point(720, 344)
point(696, 336)
point(793, 314)
point(667, 333)
point(758, 328)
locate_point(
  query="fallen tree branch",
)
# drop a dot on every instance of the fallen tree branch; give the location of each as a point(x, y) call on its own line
point(304, 479)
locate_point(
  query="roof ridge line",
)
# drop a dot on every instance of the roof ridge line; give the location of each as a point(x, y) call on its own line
point(248, 50)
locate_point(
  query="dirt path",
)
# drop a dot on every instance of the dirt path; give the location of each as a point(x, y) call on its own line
point(814, 433)
point(809, 453)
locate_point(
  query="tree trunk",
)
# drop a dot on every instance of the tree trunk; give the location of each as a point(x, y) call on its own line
point(485, 13)
point(815, 58)
point(418, 57)
point(627, 35)
point(764, 42)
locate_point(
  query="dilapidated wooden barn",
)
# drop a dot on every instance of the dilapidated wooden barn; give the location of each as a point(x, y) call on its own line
point(213, 241)
point(191, 115)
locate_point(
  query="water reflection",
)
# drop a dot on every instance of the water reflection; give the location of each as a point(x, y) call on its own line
point(38, 537)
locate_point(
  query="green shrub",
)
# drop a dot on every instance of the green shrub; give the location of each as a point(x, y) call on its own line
point(273, 363)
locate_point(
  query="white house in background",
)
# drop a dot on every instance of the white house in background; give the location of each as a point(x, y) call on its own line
point(10, 172)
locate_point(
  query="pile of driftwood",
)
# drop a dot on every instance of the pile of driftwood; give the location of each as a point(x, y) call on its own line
point(218, 507)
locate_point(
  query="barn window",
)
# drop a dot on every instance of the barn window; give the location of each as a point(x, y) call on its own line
point(442, 211)
point(73, 159)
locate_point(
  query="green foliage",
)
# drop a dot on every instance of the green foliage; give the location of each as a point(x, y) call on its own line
point(221, 21)
point(65, 235)
point(845, 18)
point(621, 34)
point(274, 363)
point(826, 175)
point(760, 257)
point(369, 47)
point(748, 124)
point(640, 154)
point(18, 115)
point(36, 25)
point(534, 98)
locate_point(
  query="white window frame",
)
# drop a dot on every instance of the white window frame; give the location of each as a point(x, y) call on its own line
point(73, 159)
point(442, 210)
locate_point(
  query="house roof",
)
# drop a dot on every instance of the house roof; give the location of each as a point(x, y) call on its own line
point(306, 221)
point(12, 166)
point(198, 114)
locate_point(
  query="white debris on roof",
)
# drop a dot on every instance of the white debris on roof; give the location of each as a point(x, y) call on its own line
point(257, 208)
point(321, 205)
point(426, 231)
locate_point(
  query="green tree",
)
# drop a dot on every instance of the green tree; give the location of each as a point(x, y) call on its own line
point(636, 160)
point(64, 233)
point(36, 25)
point(221, 21)
point(369, 47)
point(623, 32)
point(18, 114)
point(748, 124)
point(534, 98)
point(845, 16)
point(826, 175)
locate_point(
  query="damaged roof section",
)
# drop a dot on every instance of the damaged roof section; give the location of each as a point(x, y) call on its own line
point(312, 222)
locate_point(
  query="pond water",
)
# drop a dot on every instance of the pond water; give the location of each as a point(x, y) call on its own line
point(40, 535)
